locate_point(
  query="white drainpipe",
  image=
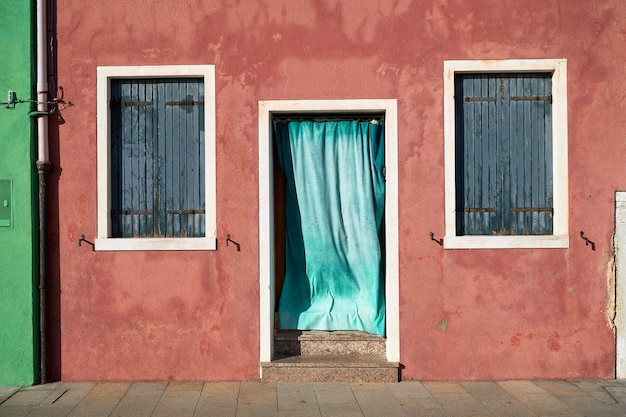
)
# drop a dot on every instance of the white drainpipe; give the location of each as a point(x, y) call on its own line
point(42, 81)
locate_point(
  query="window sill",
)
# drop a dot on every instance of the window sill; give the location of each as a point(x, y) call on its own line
point(150, 244)
point(505, 242)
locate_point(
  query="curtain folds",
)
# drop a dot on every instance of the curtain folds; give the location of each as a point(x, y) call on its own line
point(334, 203)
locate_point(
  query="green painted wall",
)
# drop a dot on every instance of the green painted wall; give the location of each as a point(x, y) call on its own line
point(19, 335)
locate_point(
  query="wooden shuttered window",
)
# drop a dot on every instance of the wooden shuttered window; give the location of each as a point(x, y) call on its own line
point(504, 183)
point(157, 157)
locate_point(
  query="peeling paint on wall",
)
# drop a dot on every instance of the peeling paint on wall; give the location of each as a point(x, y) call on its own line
point(611, 271)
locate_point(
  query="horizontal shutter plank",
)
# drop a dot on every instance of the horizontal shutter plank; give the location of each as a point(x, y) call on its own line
point(131, 212)
point(185, 103)
point(476, 209)
point(130, 103)
point(185, 211)
point(468, 99)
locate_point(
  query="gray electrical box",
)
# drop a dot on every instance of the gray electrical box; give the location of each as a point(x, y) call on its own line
point(6, 203)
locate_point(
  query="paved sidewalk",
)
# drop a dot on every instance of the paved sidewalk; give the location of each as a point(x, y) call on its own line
point(594, 398)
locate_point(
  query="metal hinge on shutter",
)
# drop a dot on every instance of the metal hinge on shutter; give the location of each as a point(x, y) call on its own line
point(533, 210)
point(532, 98)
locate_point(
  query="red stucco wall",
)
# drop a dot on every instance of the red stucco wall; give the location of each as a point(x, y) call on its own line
point(488, 314)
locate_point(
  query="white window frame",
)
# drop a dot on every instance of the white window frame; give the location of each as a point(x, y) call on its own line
point(104, 241)
point(559, 237)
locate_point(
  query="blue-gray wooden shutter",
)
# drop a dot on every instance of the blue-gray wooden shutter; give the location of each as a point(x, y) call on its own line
point(504, 154)
point(157, 157)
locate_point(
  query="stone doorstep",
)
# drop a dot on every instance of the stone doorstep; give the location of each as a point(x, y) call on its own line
point(333, 368)
point(325, 335)
point(346, 361)
point(313, 343)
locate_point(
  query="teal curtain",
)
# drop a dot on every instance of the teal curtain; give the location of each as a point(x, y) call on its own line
point(334, 201)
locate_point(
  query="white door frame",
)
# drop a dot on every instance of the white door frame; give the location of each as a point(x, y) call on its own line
point(266, 211)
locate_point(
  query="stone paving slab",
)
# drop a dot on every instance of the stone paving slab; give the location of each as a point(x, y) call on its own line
point(586, 398)
point(618, 393)
point(497, 400)
point(297, 396)
point(593, 407)
point(27, 397)
point(218, 400)
point(101, 400)
point(562, 389)
point(597, 388)
point(179, 399)
point(7, 392)
point(140, 400)
point(375, 399)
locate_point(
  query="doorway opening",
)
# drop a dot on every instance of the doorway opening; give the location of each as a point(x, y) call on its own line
point(272, 207)
point(329, 194)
